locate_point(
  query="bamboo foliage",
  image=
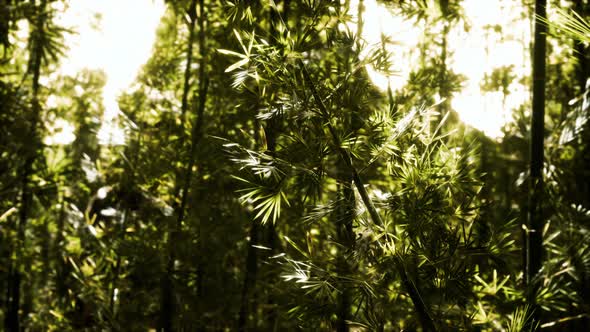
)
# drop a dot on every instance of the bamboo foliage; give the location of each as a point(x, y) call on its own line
point(267, 184)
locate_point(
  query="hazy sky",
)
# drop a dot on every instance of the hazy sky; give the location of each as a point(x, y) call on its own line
point(473, 54)
point(117, 36)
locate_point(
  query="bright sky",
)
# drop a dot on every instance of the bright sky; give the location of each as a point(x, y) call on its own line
point(117, 36)
point(475, 53)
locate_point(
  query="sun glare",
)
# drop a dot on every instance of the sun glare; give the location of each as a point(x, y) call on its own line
point(117, 37)
point(379, 21)
point(497, 36)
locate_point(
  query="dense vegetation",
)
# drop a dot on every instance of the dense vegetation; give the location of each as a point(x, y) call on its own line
point(267, 185)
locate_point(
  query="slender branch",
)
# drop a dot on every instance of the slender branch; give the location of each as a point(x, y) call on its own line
point(189, 60)
point(563, 320)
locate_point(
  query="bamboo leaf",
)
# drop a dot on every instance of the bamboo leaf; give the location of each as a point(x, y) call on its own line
point(237, 65)
point(228, 52)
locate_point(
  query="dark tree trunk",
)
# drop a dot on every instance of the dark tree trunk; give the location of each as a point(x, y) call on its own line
point(192, 12)
point(197, 132)
point(272, 129)
point(534, 244)
point(248, 302)
point(270, 232)
point(249, 279)
point(581, 50)
point(167, 305)
point(60, 267)
point(12, 319)
point(344, 225)
point(582, 7)
point(443, 79)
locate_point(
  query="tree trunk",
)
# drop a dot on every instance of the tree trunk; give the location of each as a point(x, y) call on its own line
point(167, 293)
point(271, 131)
point(582, 7)
point(12, 319)
point(249, 279)
point(247, 304)
point(196, 135)
point(534, 245)
point(60, 268)
point(443, 86)
point(270, 234)
point(192, 11)
point(344, 224)
point(581, 50)
point(346, 239)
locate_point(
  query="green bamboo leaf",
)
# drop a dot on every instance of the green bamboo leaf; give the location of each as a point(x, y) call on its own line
point(295, 246)
point(228, 52)
point(237, 34)
point(237, 65)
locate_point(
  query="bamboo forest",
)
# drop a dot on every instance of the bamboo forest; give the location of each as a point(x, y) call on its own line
point(295, 165)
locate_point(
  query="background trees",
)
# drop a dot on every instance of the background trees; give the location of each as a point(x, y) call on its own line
point(266, 183)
